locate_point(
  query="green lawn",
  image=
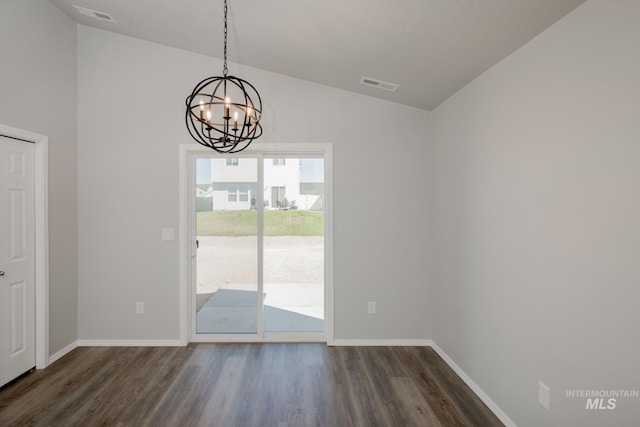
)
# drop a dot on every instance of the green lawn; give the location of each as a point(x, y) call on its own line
point(276, 223)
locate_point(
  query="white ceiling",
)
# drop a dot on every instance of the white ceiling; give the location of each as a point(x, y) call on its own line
point(431, 48)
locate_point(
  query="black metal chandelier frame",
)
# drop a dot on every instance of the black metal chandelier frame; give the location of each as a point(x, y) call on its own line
point(224, 112)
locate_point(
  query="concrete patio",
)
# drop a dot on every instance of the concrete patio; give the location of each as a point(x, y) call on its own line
point(287, 308)
point(293, 284)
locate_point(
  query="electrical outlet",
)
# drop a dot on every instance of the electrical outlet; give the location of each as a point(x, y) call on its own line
point(139, 308)
point(371, 307)
point(544, 395)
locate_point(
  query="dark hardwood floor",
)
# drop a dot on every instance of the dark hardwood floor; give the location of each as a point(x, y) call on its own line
point(244, 385)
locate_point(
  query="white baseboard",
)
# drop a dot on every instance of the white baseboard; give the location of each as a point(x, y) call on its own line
point(508, 422)
point(60, 354)
point(130, 343)
point(381, 343)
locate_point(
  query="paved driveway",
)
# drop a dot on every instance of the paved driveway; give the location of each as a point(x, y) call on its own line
point(233, 260)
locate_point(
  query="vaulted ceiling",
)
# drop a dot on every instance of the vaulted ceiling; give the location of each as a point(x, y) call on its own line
point(430, 48)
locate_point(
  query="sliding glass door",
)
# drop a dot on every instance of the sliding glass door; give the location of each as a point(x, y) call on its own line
point(227, 246)
point(294, 245)
point(260, 246)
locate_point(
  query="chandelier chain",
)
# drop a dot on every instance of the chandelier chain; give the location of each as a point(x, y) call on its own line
point(224, 69)
point(224, 112)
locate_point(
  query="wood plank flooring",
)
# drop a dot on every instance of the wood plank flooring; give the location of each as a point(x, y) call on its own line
point(280, 385)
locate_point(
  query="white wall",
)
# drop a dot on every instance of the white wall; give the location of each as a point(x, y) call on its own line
point(38, 94)
point(131, 109)
point(536, 222)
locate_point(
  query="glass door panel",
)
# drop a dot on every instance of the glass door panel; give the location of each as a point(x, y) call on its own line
point(293, 245)
point(227, 256)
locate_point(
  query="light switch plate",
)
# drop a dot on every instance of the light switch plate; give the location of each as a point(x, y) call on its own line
point(371, 307)
point(168, 234)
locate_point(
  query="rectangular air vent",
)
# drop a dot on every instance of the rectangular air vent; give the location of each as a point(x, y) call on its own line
point(94, 13)
point(367, 81)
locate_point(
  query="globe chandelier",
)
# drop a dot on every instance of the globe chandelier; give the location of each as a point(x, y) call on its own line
point(223, 113)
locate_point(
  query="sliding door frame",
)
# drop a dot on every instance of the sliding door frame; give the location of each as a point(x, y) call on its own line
point(188, 153)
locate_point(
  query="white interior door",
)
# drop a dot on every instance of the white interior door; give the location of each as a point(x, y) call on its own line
point(17, 259)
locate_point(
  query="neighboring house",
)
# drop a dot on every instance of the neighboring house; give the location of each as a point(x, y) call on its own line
point(282, 183)
point(235, 185)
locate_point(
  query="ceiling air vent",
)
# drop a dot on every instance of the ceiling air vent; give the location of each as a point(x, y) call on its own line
point(94, 13)
point(367, 81)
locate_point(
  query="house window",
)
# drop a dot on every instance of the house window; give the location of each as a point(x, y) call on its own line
point(232, 193)
point(278, 162)
point(232, 161)
point(244, 193)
